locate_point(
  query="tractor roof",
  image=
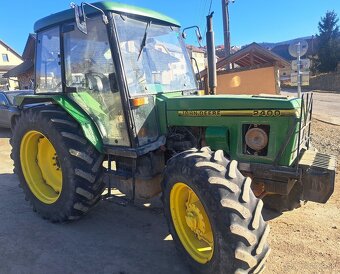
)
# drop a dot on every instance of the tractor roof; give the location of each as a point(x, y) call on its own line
point(66, 15)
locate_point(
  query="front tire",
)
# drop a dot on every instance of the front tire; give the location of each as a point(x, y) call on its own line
point(58, 169)
point(213, 216)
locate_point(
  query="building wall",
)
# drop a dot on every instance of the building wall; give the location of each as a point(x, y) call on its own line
point(200, 58)
point(10, 84)
point(8, 58)
point(255, 81)
point(13, 60)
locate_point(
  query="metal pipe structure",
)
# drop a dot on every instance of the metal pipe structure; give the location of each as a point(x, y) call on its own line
point(212, 76)
point(225, 12)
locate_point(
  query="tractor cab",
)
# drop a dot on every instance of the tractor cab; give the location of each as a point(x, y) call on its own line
point(113, 68)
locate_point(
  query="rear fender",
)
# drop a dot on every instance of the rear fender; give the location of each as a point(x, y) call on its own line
point(89, 128)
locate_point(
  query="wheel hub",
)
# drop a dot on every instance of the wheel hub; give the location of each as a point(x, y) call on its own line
point(194, 219)
point(56, 163)
point(41, 167)
point(192, 223)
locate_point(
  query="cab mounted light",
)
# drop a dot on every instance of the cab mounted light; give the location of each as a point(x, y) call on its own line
point(137, 102)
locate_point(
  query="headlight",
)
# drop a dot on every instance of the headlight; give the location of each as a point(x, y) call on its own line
point(256, 138)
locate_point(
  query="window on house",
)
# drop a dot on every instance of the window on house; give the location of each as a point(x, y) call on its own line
point(5, 57)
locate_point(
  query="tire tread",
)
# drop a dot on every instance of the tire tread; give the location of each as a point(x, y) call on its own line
point(84, 158)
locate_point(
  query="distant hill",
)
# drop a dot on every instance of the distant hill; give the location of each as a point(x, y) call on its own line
point(268, 45)
point(281, 48)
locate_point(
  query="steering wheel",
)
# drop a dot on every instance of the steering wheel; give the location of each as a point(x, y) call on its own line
point(98, 81)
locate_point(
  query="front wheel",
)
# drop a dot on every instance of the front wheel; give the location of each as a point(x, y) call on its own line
point(213, 216)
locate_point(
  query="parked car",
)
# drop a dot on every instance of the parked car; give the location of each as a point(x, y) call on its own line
point(7, 107)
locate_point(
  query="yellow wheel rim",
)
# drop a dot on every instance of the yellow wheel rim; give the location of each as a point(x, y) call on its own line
point(191, 223)
point(40, 166)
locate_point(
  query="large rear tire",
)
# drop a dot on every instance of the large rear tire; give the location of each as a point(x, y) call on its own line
point(59, 170)
point(213, 216)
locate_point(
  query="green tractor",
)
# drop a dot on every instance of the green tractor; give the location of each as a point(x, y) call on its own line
point(117, 105)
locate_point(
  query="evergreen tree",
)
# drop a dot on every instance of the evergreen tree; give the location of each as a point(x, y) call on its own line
point(329, 42)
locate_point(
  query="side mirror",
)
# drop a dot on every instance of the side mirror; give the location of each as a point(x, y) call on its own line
point(199, 37)
point(80, 16)
point(197, 31)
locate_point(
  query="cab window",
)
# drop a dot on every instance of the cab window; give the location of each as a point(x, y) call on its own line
point(48, 68)
point(91, 79)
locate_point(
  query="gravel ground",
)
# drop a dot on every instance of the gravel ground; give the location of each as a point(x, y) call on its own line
point(114, 239)
point(307, 240)
point(326, 138)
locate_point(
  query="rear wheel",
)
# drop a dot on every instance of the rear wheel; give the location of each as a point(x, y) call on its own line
point(213, 215)
point(59, 170)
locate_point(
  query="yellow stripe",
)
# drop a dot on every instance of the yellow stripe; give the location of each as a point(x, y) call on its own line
point(254, 113)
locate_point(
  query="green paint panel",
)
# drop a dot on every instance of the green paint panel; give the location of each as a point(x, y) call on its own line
point(228, 102)
point(217, 138)
point(170, 107)
point(89, 128)
point(161, 103)
point(66, 15)
point(89, 101)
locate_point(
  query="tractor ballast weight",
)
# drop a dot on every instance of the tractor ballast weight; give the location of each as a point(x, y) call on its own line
point(116, 104)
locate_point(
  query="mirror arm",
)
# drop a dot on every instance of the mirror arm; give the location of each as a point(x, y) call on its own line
point(105, 20)
point(198, 33)
point(80, 15)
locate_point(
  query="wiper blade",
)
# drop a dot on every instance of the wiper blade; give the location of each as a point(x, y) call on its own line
point(142, 45)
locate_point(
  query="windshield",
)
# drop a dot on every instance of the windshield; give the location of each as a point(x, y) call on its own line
point(154, 56)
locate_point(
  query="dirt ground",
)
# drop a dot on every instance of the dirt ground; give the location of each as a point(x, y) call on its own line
point(127, 240)
point(307, 240)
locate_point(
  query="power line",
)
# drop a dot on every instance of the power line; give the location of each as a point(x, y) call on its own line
point(205, 2)
point(210, 7)
point(205, 29)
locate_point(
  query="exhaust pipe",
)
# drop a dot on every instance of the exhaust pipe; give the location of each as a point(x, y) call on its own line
point(212, 76)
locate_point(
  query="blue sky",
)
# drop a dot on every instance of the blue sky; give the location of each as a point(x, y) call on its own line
point(250, 20)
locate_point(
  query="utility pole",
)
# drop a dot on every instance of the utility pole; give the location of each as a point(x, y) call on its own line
point(225, 12)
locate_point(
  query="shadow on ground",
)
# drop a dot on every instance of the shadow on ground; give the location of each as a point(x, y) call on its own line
point(5, 133)
point(110, 239)
point(269, 214)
